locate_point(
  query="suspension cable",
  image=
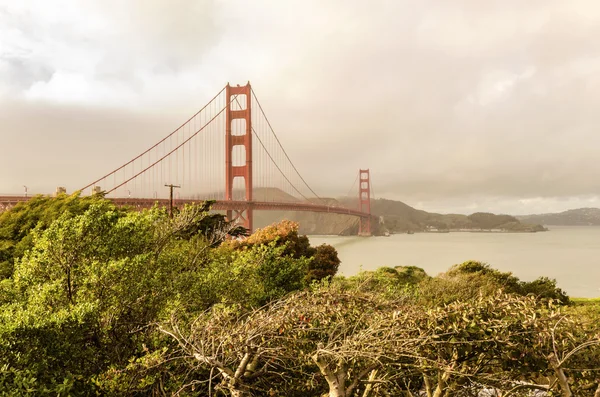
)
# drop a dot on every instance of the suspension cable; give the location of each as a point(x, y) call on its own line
point(352, 187)
point(281, 146)
point(173, 150)
point(273, 160)
point(371, 187)
point(155, 145)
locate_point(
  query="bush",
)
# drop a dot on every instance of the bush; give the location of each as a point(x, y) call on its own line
point(324, 261)
point(411, 274)
point(544, 288)
point(472, 278)
point(389, 281)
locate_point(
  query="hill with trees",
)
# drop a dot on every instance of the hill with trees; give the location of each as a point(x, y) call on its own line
point(576, 217)
point(400, 217)
point(388, 215)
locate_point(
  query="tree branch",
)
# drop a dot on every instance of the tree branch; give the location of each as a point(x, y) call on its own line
point(360, 376)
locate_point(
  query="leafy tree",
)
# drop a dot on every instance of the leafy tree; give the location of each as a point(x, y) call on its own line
point(283, 233)
point(272, 274)
point(324, 261)
point(194, 220)
point(81, 299)
point(544, 288)
point(77, 298)
point(17, 223)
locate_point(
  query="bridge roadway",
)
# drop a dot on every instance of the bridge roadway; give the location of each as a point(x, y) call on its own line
point(9, 201)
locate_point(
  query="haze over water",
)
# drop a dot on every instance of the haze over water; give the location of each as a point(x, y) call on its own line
point(568, 254)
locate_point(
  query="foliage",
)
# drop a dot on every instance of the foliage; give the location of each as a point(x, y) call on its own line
point(544, 288)
point(324, 261)
point(76, 313)
point(39, 212)
point(486, 220)
point(284, 232)
point(392, 282)
point(197, 220)
point(326, 336)
point(80, 291)
point(275, 274)
point(342, 340)
point(105, 301)
point(411, 274)
point(470, 279)
point(467, 344)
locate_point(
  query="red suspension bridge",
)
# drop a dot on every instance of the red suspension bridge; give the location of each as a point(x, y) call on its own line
point(228, 152)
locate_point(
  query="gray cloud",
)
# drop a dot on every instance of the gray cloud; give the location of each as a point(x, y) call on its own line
point(20, 75)
point(466, 100)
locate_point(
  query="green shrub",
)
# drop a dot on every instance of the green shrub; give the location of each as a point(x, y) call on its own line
point(544, 288)
point(471, 279)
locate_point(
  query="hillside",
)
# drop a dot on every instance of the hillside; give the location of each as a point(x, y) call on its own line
point(576, 217)
point(400, 217)
point(389, 215)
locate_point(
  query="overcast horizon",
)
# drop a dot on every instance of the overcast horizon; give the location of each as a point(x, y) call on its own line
point(458, 107)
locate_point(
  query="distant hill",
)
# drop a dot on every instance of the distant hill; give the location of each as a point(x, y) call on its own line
point(400, 217)
point(269, 194)
point(389, 215)
point(577, 217)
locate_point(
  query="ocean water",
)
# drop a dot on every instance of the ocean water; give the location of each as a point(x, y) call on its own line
point(571, 255)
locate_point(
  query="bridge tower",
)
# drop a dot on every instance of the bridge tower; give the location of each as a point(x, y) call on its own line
point(364, 201)
point(239, 136)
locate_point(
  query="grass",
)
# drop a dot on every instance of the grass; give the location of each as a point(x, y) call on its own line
point(585, 301)
point(586, 308)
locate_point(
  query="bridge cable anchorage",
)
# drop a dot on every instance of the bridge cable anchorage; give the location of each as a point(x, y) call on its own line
point(171, 152)
point(281, 146)
point(273, 160)
point(155, 145)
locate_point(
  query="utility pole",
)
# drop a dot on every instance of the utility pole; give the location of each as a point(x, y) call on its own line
point(171, 187)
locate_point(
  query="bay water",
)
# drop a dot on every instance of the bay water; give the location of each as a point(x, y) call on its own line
point(571, 255)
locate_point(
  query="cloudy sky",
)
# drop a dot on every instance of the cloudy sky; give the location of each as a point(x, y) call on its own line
point(455, 106)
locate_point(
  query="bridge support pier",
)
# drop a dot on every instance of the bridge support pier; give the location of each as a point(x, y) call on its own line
point(238, 137)
point(364, 202)
point(241, 217)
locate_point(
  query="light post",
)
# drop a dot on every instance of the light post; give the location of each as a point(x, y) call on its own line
point(25, 190)
point(129, 194)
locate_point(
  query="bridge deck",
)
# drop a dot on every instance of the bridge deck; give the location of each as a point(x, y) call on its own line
point(8, 201)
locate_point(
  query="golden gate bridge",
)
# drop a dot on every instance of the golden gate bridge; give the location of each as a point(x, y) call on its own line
point(227, 152)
